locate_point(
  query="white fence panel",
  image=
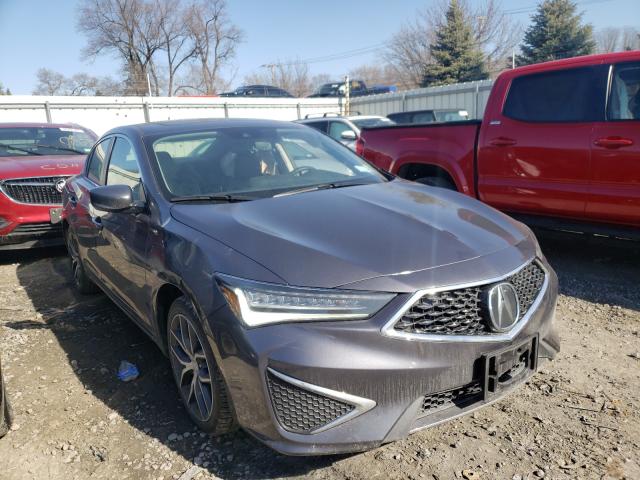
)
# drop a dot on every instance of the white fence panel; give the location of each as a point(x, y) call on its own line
point(103, 113)
point(471, 97)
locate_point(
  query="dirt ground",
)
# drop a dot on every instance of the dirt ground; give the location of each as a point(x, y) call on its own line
point(579, 417)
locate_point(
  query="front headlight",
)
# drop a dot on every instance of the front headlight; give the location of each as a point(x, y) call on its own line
point(257, 303)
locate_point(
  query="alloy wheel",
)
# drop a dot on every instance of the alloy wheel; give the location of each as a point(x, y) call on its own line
point(191, 367)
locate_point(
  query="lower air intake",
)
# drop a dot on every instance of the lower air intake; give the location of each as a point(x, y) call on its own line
point(301, 411)
point(458, 397)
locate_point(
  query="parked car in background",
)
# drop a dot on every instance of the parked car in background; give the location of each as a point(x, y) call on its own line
point(345, 129)
point(35, 161)
point(428, 116)
point(297, 295)
point(5, 412)
point(357, 89)
point(258, 91)
point(559, 146)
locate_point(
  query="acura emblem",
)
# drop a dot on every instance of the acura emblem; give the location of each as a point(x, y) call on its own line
point(504, 308)
point(60, 185)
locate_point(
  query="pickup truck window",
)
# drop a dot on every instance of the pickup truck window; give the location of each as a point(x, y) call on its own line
point(575, 95)
point(624, 103)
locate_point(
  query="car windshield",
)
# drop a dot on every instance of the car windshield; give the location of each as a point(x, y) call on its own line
point(331, 89)
point(256, 162)
point(372, 122)
point(27, 141)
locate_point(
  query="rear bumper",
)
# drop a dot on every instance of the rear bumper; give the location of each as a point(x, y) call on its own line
point(27, 226)
point(355, 360)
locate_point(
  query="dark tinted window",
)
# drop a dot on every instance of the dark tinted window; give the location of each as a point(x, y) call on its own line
point(322, 126)
point(96, 167)
point(576, 95)
point(624, 100)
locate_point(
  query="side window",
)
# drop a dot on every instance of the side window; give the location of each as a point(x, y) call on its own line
point(575, 95)
point(424, 117)
point(322, 126)
point(336, 129)
point(124, 168)
point(97, 161)
point(624, 100)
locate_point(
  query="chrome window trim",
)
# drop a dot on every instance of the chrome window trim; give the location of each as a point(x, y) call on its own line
point(389, 331)
point(362, 405)
point(34, 184)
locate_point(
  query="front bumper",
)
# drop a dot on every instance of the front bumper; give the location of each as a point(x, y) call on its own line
point(356, 359)
point(27, 225)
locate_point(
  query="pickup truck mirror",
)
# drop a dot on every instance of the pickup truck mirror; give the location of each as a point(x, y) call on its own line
point(114, 198)
point(348, 135)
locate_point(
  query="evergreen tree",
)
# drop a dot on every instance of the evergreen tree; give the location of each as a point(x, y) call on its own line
point(556, 32)
point(456, 57)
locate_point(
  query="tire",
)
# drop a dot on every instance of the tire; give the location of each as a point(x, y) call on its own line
point(81, 280)
point(207, 402)
point(440, 182)
point(5, 414)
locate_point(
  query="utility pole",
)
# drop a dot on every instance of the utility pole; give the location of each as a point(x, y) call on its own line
point(513, 59)
point(347, 94)
point(272, 68)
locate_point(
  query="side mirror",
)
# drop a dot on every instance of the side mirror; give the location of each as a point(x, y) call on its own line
point(349, 135)
point(113, 198)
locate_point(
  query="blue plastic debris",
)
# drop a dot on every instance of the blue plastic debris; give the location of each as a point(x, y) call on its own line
point(127, 371)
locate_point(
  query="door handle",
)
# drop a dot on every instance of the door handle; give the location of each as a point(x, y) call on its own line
point(613, 142)
point(502, 142)
point(97, 221)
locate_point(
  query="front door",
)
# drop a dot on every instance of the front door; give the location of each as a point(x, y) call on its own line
point(535, 153)
point(614, 191)
point(124, 236)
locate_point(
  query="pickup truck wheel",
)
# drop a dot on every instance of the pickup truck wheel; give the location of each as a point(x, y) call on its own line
point(199, 380)
point(81, 280)
point(437, 182)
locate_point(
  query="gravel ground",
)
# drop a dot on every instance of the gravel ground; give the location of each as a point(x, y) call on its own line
point(579, 416)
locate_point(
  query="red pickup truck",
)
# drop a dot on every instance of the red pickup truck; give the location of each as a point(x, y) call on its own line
point(559, 146)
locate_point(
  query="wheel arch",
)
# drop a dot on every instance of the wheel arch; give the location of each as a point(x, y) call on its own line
point(414, 171)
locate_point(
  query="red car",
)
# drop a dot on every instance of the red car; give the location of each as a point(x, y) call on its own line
point(559, 146)
point(35, 161)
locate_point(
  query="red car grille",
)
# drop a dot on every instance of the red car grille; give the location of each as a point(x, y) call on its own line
point(36, 190)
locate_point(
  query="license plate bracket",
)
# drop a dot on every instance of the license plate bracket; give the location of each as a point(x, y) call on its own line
point(509, 366)
point(55, 215)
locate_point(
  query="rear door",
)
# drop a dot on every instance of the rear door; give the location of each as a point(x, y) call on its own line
point(535, 150)
point(124, 235)
point(614, 192)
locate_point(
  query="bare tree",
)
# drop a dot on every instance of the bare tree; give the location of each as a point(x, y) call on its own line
point(129, 28)
point(215, 39)
point(50, 83)
point(495, 33)
point(607, 39)
point(630, 39)
point(374, 74)
point(292, 76)
point(177, 43)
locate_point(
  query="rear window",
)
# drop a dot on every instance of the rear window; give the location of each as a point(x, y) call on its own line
point(575, 95)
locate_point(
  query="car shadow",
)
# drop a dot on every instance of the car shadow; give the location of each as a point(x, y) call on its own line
point(95, 336)
point(582, 262)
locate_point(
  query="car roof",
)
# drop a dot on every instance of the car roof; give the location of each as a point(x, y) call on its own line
point(171, 127)
point(40, 125)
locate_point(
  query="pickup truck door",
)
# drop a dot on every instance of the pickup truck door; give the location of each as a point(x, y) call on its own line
point(534, 155)
point(614, 191)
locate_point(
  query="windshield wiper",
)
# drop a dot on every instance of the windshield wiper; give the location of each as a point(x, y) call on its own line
point(25, 150)
point(322, 186)
point(211, 198)
point(62, 149)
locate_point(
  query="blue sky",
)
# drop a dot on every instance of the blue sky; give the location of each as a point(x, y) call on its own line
point(42, 33)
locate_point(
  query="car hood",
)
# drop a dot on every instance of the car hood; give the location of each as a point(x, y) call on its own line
point(40, 165)
point(331, 238)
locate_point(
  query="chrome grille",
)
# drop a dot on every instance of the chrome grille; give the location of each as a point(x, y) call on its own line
point(35, 190)
point(302, 411)
point(462, 311)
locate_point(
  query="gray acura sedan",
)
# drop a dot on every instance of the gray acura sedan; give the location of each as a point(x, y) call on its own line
point(301, 294)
